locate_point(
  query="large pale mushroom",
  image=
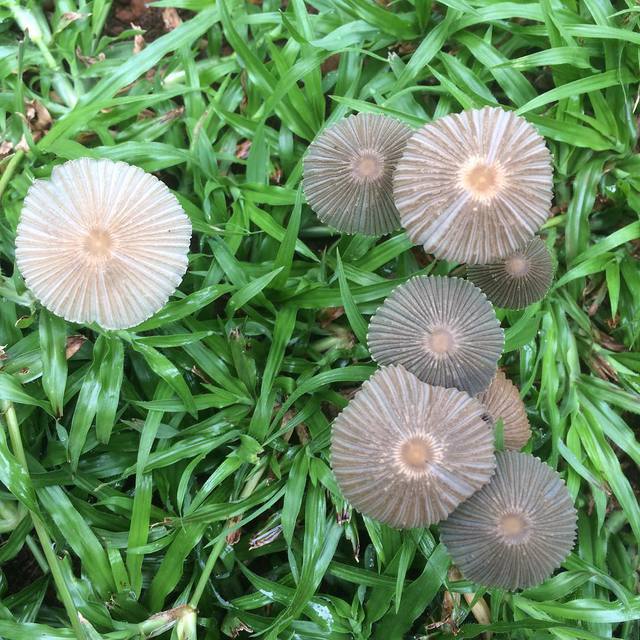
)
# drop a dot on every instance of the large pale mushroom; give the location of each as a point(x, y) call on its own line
point(102, 242)
point(474, 187)
point(407, 453)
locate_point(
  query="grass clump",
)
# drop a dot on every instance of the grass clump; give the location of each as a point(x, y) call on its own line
point(184, 463)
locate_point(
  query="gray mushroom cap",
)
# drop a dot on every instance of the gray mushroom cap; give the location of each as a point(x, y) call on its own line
point(348, 174)
point(520, 279)
point(475, 186)
point(502, 401)
point(443, 330)
point(407, 453)
point(517, 529)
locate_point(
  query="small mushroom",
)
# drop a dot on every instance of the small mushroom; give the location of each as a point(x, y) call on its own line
point(502, 401)
point(102, 242)
point(348, 174)
point(474, 187)
point(520, 279)
point(443, 330)
point(407, 453)
point(515, 531)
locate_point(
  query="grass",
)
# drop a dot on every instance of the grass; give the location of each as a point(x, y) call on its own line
point(184, 464)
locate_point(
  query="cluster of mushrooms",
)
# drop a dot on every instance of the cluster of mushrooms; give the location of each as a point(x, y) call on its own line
point(104, 242)
point(416, 445)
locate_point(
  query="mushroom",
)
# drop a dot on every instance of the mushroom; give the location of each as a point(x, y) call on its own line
point(474, 187)
point(407, 453)
point(502, 401)
point(348, 174)
point(515, 531)
point(520, 279)
point(443, 330)
point(102, 242)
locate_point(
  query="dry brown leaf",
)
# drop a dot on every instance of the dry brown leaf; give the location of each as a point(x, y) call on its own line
point(276, 175)
point(241, 627)
point(6, 147)
point(609, 343)
point(38, 118)
point(138, 39)
point(266, 537)
point(171, 18)
point(200, 374)
point(303, 433)
point(329, 314)
point(89, 60)
point(43, 117)
point(145, 114)
point(22, 145)
point(172, 114)
point(72, 16)
point(242, 149)
point(603, 369)
point(74, 343)
point(234, 537)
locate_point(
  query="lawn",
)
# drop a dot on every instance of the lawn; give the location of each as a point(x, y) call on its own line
point(184, 465)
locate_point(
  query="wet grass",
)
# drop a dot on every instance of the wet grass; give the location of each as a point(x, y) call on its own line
point(185, 463)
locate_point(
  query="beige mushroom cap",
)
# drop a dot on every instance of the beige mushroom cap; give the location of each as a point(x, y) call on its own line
point(348, 174)
point(407, 453)
point(474, 187)
point(520, 279)
point(102, 242)
point(517, 529)
point(443, 330)
point(502, 401)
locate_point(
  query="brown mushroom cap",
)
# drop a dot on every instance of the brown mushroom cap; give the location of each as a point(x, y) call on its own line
point(443, 330)
point(517, 529)
point(407, 453)
point(502, 401)
point(474, 187)
point(348, 174)
point(520, 279)
point(103, 242)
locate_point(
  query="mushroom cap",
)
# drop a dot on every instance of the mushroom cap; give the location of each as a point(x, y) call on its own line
point(502, 400)
point(443, 330)
point(520, 279)
point(407, 453)
point(348, 173)
point(103, 242)
point(474, 187)
point(517, 529)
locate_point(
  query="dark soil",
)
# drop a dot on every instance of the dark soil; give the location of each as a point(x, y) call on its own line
point(124, 13)
point(22, 571)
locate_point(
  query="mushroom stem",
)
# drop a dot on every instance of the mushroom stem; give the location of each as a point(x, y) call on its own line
point(479, 607)
point(47, 546)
